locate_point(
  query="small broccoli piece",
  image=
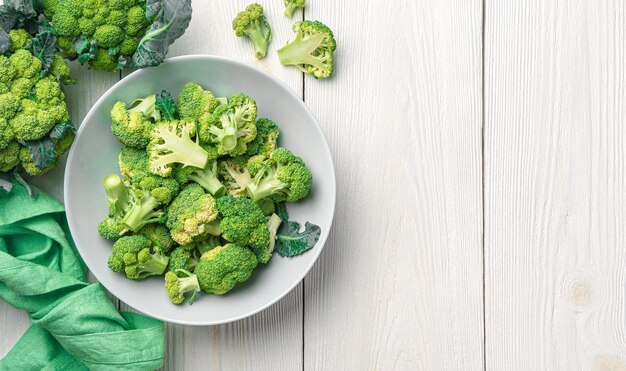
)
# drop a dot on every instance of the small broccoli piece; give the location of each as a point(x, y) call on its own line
point(134, 255)
point(132, 125)
point(10, 156)
point(177, 286)
point(196, 103)
point(283, 176)
point(243, 223)
point(312, 49)
point(292, 5)
point(192, 214)
point(160, 237)
point(183, 258)
point(220, 269)
point(172, 143)
point(264, 143)
point(134, 166)
point(112, 226)
point(6, 133)
point(251, 22)
point(142, 210)
point(231, 127)
point(206, 177)
point(235, 175)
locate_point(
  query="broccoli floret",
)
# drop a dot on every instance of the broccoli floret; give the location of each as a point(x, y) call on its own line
point(192, 214)
point(134, 166)
point(235, 175)
point(142, 210)
point(292, 5)
point(19, 39)
point(312, 49)
point(267, 206)
point(206, 177)
point(231, 127)
point(243, 223)
point(182, 258)
point(283, 176)
point(172, 143)
point(112, 226)
point(10, 156)
point(264, 143)
point(160, 237)
point(177, 286)
point(220, 269)
point(196, 103)
point(135, 256)
point(132, 125)
point(251, 22)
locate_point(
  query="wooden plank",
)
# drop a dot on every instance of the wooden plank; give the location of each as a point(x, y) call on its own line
point(399, 285)
point(554, 185)
point(80, 97)
point(271, 340)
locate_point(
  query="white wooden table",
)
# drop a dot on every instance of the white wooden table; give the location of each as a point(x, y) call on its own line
point(480, 151)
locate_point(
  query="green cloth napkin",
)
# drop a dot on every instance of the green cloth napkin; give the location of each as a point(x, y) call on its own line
point(75, 325)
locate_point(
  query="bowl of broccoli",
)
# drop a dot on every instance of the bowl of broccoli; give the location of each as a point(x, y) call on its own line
point(200, 191)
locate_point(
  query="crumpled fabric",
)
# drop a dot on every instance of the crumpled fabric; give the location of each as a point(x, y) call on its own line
point(74, 324)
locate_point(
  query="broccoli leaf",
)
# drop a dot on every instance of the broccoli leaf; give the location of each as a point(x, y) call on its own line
point(59, 130)
point(166, 105)
point(12, 13)
point(121, 62)
point(85, 49)
point(291, 242)
point(43, 45)
point(172, 19)
point(41, 151)
point(282, 211)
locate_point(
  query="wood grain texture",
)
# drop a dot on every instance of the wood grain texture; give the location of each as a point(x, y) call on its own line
point(271, 340)
point(555, 148)
point(399, 285)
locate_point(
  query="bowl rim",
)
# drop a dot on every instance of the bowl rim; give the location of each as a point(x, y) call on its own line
point(205, 57)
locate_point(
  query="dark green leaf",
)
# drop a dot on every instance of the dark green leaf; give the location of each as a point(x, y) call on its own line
point(14, 14)
point(59, 130)
point(121, 62)
point(282, 211)
point(86, 49)
point(113, 51)
point(43, 45)
point(291, 242)
point(166, 105)
point(172, 19)
point(41, 151)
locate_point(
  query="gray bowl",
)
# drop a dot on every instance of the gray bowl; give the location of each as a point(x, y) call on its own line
point(94, 156)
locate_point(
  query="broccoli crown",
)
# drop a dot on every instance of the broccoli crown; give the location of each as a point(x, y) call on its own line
point(206, 177)
point(292, 5)
point(115, 26)
point(243, 223)
point(143, 209)
point(231, 126)
point(220, 269)
point(9, 156)
point(311, 50)
point(192, 214)
point(132, 125)
point(196, 103)
point(182, 258)
point(177, 287)
point(235, 175)
point(134, 255)
point(134, 166)
point(283, 176)
point(172, 143)
point(264, 143)
point(160, 237)
point(252, 23)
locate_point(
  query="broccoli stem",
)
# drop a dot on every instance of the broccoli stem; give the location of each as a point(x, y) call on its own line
point(207, 179)
point(227, 134)
point(142, 212)
point(258, 38)
point(155, 266)
point(187, 284)
point(117, 195)
point(213, 228)
point(290, 8)
point(267, 186)
point(299, 52)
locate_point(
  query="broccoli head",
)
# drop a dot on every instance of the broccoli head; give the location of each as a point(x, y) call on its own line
point(192, 214)
point(283, 176)
point(143, 209)
point(132, 125)
point(196, 103)
point(160, 237)
point(10, 156)
point(178, 286)
point(312, 49)
point(252, 23)
point(231, 126)
point(220, 269)
point(292, 5)
point(134, 166)
point(235, 175)
point(135, 256)
point(183, 258)
point(206, 177)
point(243, 223)
point(112, 226)
point(172, 143)
point(266, 138)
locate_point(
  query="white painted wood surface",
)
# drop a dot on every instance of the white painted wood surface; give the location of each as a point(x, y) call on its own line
point(401, 283)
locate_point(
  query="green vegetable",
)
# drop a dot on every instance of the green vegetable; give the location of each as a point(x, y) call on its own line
point(192, 215)
point(134, 167)
point(196, 103)
point(206, 177)
point(137, 258)
point(252, 23)
point(118, 197)
point(220, 269)
point(172, 143)
point(235, 175)
point(143, 209)
point(165, 104)
point(132, 125)
point(292, 5)
point(273, 223)
point(160, 237)
point(264, 143)
point(177, 287)
point(312, 49)
point(292, 242)
point(182, 259)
